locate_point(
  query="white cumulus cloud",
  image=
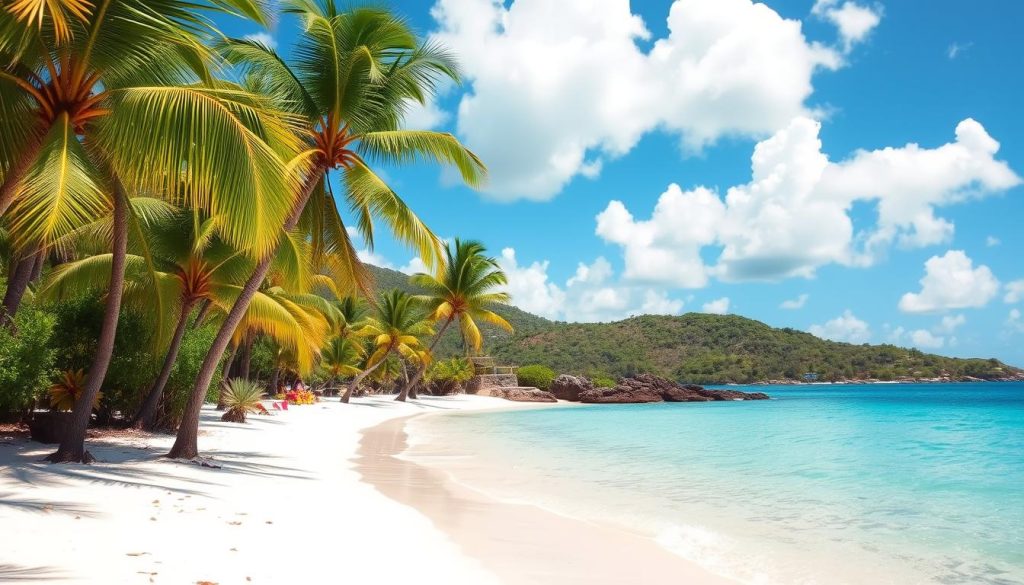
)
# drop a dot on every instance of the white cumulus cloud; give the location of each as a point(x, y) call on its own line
point(264, 38)
point(591, 294)
point(797, 303)
point(794, 215)
point(716, 307)
point(853, 20)
point(951, 282)
point(950, 323)
point(1014, 291)
point(846, 328)
point(924, 339)
point(556, 88)
point(666, 248)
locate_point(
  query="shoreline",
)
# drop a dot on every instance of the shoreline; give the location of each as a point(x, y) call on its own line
point(520, 543)
point(285, 506)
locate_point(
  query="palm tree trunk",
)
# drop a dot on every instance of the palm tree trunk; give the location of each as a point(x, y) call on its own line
point(239, 369)
point(72, 446)
point(245, 365)
point(359, 378)
point(274, 378)
point(186, 444)
point(17, 284)
point(146, 418)
point(423, 367)
point(37, 268)
point(19, 169)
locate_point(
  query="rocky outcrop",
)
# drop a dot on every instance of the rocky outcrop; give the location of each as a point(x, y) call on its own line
point(566, 387)
point(648, 388)
point(519, 394)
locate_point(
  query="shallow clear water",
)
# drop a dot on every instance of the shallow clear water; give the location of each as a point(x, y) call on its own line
point(822, 484)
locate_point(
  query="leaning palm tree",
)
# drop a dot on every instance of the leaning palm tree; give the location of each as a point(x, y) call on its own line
point(353, 76)
point(400, 322)
point(465, 291)
point(177, 255)
point(115, 98)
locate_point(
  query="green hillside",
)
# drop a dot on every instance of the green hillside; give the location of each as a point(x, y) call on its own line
point(701, 348)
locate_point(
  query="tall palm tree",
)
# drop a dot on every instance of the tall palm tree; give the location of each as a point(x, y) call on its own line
point(354, 74)
point(400, 322)
point(102, 101)
point(465, 291)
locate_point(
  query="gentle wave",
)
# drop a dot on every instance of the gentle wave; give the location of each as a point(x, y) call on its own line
point(870, 484)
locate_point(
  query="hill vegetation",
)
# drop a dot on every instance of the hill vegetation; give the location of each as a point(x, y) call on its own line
point(702, 349)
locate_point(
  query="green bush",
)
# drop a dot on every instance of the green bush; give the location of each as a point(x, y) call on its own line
point(445, 376)
point(536, 376)
point(135, 363)
point(26, 359)
point(194, 347)
point(603, 381)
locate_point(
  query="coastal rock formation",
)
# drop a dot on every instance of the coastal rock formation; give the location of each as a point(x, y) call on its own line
point(648, 388)
point(566, 387)
point(520, 394)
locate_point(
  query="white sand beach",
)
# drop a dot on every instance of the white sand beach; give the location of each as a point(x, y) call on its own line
point(294, 501)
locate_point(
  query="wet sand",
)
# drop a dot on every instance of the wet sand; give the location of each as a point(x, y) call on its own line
point(517, 543)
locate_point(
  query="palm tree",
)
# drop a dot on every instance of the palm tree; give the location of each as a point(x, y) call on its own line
point(341, 358)
point(354, 74)
point(98, 102)
point(177, 254)
point(464, 292)
point(396, 329)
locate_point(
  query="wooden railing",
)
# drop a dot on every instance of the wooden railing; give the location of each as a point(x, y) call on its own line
point(494, 370)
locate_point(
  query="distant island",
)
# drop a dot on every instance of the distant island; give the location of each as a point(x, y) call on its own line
point(707, 349)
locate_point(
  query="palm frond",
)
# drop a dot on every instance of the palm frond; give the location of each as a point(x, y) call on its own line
point(401, 147)
point(231, 145)
point(61, 192)
point(367, 190)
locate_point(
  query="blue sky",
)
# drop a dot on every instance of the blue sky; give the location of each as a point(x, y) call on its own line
point(587, 111)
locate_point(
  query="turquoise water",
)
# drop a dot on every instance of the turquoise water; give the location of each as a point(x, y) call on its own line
point(822, 484)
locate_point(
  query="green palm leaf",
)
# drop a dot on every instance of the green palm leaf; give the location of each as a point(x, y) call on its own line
point(61, 192)
point(239, 175)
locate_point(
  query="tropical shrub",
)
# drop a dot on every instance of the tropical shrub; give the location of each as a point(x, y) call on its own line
point(241, 397)
point(26, 359)
point(536, 376)
point(190, 358)
point(603, 381)
point(135, 363)
point(66, 390)
point(446, 376)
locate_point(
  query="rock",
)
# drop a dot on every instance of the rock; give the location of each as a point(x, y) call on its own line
point(619, 394)
point(520, 394)
point(566, 387)
point(686, 393)
point(648, 388)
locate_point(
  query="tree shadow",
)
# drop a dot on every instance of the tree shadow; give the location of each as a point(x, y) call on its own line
point(11, 573)
point(9, 501)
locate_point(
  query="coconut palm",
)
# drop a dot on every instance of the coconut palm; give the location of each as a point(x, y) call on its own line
point(400, 322)
point(102, 101)
point(178, 255)
point(340, 358)
point(465, 291)
point(354, 74)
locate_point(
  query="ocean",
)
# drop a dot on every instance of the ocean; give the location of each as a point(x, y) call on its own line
point(886, 483)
